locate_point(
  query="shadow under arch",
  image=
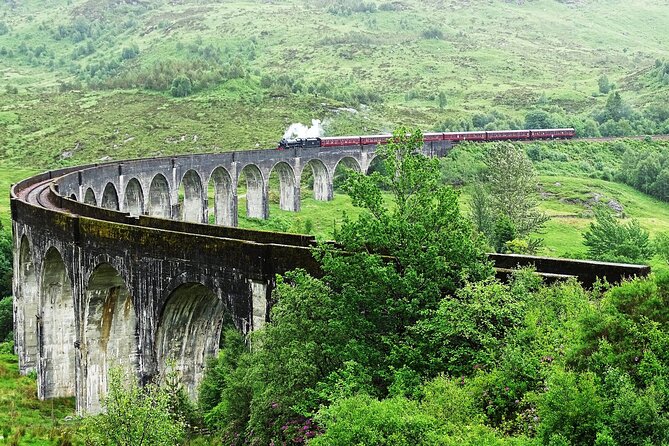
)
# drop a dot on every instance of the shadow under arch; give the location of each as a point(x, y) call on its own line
point(191, 204)
point(224, 197)
point(57, 331)
point(322, 186)
point(89, 197)
point(159, 197)
point(26, 297)
point(110, 197)
point(288, 192)
point(189, 331)
point(342, 171)
point(133, 201)
point(109, 333)
point(256, 199)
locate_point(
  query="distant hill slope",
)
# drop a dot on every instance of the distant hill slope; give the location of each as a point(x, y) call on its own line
point(365, 66)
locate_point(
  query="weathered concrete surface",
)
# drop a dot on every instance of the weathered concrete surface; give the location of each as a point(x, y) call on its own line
point(97, 288)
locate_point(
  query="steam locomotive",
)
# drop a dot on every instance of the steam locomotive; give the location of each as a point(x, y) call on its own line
point(498, 135)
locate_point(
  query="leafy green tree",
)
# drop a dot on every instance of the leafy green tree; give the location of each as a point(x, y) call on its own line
point(538, 119)
point(335, 337)
point(181, 87)
point(6, 318)
point(134, 416)
point(616, 109)
point(609, 240)
point(442, 100)
point(603, 83)
point(6, 262)
point(507, 196)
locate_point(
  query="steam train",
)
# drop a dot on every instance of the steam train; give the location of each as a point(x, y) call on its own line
point(498, 135)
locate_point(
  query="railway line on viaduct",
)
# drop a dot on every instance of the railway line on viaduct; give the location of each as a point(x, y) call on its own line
point(114, 268)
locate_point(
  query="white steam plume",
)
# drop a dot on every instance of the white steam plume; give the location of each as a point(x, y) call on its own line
point(299, 130)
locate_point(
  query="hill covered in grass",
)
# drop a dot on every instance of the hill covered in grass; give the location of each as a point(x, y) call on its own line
point(81, 80)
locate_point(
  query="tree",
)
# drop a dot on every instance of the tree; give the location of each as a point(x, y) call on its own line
point(6, 318)
point(442, 99)
point(604, 85)
point(609, 240)
point(6, 261)
point(616, 108)
point(181, 87)
point(509, 198)
point(336, 336)
point(134, 416)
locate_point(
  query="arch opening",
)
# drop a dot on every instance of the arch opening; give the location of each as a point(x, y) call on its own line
point(89, 197)
point(57, 332)
point(159, 197)
point(110, 197)
point(133, 201)
point(343, 170)
point(109, 333)
point(376, 165)
point(73, 197)
point(251, 190)
point(222, 198)
point(26, 303)
point(315, 176)
point(189, 332)
point(191, 198)
point(282, 188)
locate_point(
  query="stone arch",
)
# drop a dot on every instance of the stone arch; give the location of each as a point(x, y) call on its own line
point(26, 295)
point(192, 206)
point(256, 196)
point(73, 197)
point(289, 194)
point(109, 333)
point(342, 169)
point(159, 197)
point(375, 164)
point(224, 197)
point(89, 197)
point(322, 181)
point(57, 332)
point(189, 331)
point(110, 197)
point(133, 201)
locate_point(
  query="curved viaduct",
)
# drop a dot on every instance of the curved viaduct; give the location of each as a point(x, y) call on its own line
point(114, 266)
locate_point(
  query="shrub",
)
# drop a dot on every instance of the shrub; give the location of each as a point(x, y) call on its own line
point(609, 240)
point(181, 87)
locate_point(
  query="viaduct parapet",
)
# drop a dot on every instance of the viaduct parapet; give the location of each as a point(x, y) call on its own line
point(115, 266)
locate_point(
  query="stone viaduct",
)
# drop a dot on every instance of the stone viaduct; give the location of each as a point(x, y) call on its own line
point(116, 266)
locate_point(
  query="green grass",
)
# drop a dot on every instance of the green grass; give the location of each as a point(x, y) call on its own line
point(492, 55)
point(8, 176)
point(23, 417)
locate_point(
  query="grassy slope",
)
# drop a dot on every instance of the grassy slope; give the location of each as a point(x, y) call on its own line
point(492, 54)
point(23, 417)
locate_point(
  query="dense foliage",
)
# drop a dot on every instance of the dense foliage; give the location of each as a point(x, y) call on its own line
point(357, 329)
point(6, 261)
point(646, 169)
point(135, 416)
point(422, 349)
point(504, 204)
point(610, 240)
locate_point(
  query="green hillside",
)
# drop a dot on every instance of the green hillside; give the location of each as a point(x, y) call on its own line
point(250, 68)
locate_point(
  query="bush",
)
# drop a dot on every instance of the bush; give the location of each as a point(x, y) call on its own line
point(362, 420)
point(134, 415)
point(181, 87)
point(571, 409)
point(6, 319)
point(609, 240)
